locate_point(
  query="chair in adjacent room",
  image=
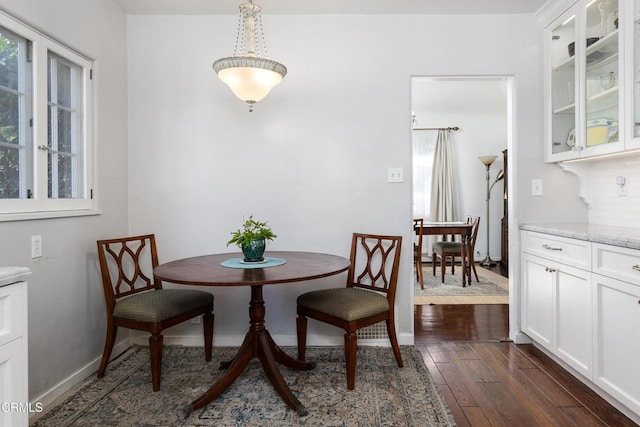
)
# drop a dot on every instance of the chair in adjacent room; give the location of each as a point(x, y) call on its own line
point(444, 249)
point(417, 250)
point(368, 298)
point(136, 300)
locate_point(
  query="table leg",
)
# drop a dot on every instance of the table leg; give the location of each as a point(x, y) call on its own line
point(464, 250)
point(466, 260)
point(257, 343)
point(235, 368)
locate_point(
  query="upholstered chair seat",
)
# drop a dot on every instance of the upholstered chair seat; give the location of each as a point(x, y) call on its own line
point(450, 247)
point(159, 305)
point(345, 303)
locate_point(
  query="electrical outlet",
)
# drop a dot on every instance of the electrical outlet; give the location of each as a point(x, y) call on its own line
point(196, 320)
point(36, 246)
point(621, 182)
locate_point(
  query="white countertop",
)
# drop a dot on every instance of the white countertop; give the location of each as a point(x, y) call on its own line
point(9, 275)
point(627, 237)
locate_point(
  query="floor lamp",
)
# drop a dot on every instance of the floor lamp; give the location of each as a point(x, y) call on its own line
point(488, 161)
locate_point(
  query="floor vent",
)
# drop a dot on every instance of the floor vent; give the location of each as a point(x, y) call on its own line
point(377, 331)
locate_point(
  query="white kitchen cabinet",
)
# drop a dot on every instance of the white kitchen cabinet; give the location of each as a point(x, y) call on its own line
point(13, 348)
point(537, 300)
point(586, 67)
point(556, 301)
point(573, 339)
point(581, 304)
point(616, 281)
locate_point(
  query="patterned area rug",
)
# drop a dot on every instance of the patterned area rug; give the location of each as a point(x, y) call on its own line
point(485, 292)
point(385, 395)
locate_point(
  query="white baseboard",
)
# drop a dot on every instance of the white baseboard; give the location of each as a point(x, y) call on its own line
point(518, 337)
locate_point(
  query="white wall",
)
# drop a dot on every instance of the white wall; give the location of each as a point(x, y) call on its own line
point(312, 158)
point(66, 303)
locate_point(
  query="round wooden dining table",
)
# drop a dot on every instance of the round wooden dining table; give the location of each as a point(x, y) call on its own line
point(208, 270)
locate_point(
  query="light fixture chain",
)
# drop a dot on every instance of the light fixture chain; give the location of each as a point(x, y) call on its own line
point(264, 43)
point(239, 47)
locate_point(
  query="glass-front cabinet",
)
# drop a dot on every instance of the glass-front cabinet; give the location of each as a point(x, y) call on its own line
point(634, 55)
point(584, 81)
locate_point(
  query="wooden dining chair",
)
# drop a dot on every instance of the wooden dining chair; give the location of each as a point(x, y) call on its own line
point(368, 298)
point(417, 250)
point(136, 300)
point(443, 250)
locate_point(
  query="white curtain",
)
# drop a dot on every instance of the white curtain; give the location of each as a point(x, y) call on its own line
point(444, 194)
point(424, 144)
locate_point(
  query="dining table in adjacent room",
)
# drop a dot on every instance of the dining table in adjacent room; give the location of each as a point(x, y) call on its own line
point(229, 269)
point(451, 228)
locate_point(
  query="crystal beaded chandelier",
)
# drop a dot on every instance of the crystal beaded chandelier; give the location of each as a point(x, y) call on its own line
point(249, 73)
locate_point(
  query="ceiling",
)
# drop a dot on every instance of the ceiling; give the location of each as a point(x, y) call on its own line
point(332, 7)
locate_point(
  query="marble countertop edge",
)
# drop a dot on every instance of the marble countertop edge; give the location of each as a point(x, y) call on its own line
point(626, 237)
point(10, 275)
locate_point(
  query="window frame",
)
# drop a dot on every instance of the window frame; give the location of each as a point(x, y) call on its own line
point(40, 205)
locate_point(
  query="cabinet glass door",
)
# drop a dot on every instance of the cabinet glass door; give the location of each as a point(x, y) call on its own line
point(636, 69)
point(602, 74)
point(563, 82)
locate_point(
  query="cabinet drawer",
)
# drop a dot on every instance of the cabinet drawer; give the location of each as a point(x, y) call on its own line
point(617, 262)
point(11, 312)
point(576, 253)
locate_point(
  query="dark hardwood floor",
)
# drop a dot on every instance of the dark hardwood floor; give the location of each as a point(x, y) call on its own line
point(489, 382)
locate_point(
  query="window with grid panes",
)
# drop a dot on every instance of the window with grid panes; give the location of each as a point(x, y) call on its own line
point(46, 145)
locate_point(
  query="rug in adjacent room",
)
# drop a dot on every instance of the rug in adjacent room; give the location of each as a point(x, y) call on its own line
point(492, 289)
point(384, 395)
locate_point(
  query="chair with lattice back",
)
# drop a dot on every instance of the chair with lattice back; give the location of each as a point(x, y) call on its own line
point(454, 249)
point(368, 298)
point(136, 300)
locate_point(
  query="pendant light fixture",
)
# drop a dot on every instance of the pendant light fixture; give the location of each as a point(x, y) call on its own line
point(249, 73)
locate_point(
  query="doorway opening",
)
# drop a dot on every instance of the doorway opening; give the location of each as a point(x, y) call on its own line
point(475, 112)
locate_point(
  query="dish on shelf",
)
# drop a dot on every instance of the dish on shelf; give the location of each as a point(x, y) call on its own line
point(599, 131)
point(571, 47)
point(571, 138)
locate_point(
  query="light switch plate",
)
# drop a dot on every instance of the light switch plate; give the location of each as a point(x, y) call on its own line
point(36, 246)
point(395, 175)
point(536, 187)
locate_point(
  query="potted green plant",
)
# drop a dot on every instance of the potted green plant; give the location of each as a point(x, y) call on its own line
point(251, 238)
